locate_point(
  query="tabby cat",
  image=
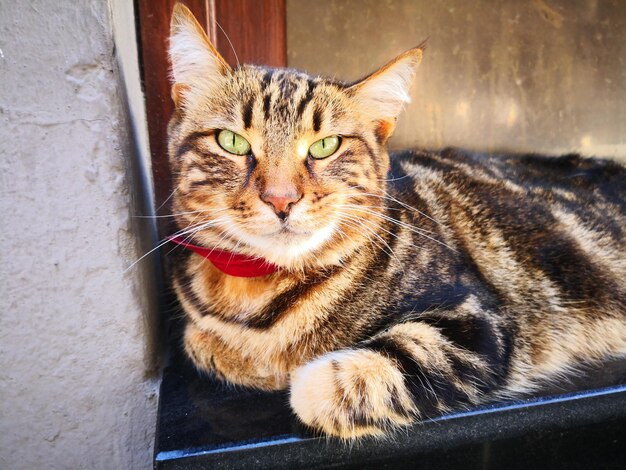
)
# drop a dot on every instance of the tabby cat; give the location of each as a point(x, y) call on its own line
point(396, 288)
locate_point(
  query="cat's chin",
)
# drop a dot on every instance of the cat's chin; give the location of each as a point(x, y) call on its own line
point(288, 246)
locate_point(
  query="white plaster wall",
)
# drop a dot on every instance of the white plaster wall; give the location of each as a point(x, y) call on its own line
point(77, 386)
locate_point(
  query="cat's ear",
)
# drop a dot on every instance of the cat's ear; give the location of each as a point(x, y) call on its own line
point(383, 94)
point(195, 61)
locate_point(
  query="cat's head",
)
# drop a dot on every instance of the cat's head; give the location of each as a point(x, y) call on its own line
point(273, 162)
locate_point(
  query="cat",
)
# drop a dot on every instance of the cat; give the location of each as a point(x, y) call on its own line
point(380, 290)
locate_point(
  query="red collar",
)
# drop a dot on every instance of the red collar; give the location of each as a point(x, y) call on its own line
point(228, 262)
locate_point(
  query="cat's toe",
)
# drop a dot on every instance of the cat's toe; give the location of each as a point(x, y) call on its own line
point(350, 394)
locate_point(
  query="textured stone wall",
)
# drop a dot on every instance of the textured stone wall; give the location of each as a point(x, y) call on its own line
point(77, 380)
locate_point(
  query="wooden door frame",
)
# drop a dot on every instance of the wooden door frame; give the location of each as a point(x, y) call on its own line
point(243, 31)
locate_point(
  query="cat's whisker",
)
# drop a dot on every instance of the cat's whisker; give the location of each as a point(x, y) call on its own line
point(370, 223)
point(378, 227)
point(371, 242)
point(178, 214)
point(229, 42)
point(356, 226)
point(234, 250)
point(302, 267)
point(411, 208)
point(393, 234)
point(166, 241)
point(361, 223)
point(382, 214)
point(166, 199)
point(390, 180)
point(189, 233)
point(224, 235)
point(409, 227)
point(191, 225)
point(416, 230)
point(192, 229)
point(187, 238)
point(388, 197)
point(372, 207)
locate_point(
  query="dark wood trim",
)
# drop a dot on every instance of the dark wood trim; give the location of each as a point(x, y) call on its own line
point(257, 31)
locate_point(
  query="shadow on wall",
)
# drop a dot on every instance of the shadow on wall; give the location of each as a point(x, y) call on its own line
point(544, 76)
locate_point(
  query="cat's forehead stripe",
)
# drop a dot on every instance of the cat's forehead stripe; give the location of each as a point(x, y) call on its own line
point(284, 100)
point(246, 112)
point(267, 99)
point(267, 79)
point(317, 119)
point(308, 96)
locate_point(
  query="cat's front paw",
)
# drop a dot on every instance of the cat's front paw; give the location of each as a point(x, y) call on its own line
point(210, 354)
point(350, 394)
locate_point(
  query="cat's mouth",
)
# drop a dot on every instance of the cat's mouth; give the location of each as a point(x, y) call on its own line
point(287, 230)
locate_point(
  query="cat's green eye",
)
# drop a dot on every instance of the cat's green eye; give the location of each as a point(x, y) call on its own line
point(325, 147)
point(233, 143)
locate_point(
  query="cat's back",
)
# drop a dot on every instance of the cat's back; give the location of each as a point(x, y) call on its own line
point(592, 188)
point(529, 224)
point(532, 172)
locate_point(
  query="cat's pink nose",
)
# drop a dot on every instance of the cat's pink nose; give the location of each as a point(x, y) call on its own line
point(281, 202)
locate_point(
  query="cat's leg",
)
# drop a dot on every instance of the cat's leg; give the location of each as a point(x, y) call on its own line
point(210, 354)
point(409, 373)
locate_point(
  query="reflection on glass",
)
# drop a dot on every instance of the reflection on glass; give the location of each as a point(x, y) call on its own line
point(539, 75)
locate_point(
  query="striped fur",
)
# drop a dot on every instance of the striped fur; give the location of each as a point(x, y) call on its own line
point(409, 286)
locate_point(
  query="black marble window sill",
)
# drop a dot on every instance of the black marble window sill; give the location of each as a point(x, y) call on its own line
point(205, 424)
